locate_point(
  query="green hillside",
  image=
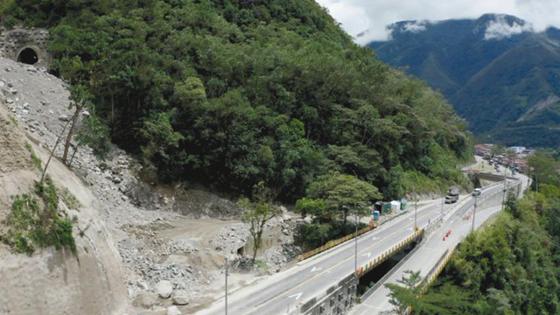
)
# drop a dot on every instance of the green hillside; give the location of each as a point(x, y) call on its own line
point(230, 93)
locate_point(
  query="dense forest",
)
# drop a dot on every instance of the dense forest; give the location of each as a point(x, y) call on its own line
point(231, 93)
point(510, 267)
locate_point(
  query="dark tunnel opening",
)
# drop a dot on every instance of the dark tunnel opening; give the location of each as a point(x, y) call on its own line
point(28, 56)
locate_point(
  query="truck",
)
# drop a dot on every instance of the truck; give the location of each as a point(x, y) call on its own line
point(476, 192)
point(452, 195)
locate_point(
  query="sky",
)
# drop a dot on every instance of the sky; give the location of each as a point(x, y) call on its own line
point(357, 16)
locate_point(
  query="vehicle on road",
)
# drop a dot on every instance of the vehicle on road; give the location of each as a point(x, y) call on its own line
point(476, 192)
point(452, 195)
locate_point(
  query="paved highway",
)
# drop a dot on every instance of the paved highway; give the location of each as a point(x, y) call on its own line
point(433, 248)
point(286, 291)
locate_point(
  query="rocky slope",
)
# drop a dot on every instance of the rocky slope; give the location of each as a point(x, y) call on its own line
point(499, 74)
point(154, 238)
point(53, 281)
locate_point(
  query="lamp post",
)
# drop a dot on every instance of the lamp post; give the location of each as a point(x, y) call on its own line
point(415, 213)
point(356, 245)
point(226, 296)
point(442, 205)
point(474, 212)
point(505, 190)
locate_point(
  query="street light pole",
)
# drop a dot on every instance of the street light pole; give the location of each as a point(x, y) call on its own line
point(356, 246)
point(442, 205)
point(474, 212)
point(505, 191)
point(226, 296)
point(415, 213)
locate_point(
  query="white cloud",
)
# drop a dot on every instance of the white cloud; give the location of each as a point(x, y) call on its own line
point(415, 26)
point(500, 29)
point(371, 17)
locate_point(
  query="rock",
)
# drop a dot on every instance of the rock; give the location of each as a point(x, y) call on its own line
point(173, 310)
point(116, 179)
point(164, 289)
point(180, 297)
point(145, 299)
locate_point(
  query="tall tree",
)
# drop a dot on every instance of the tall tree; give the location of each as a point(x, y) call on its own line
point(344, 194)
point(257, 212)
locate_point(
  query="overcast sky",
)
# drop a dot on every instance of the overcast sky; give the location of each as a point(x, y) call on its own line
point(357, 16)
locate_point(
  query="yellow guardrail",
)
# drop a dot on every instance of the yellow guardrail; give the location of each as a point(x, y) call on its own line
point(430, 278)
point(334, 243)
point(381, 258)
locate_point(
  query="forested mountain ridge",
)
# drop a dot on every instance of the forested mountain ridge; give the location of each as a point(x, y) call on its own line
point(232, 93)
point(499, 74)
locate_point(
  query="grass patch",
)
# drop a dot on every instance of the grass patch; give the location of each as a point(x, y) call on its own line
point(261, 265)
point(34, 158)
point(69, 199)
point(13, 120)
point(35, 222)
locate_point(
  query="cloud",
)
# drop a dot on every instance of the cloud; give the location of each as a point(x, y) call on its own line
point(500, 28)
point(415, 26)
point(370, 18)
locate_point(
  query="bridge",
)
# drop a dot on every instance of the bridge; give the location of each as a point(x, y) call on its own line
point(327, 283)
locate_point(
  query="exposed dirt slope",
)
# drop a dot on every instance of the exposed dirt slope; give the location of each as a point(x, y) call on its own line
point(51, 281)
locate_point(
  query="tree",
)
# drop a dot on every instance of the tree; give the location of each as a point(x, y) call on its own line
point(544, 169)
point(497, 149)
point(308, 206)
point(405, 294)
point(256, 213)
point(80, 99)
point(344, 194)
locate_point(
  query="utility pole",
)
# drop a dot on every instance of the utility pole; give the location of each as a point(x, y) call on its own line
point(505, 190)
point(356, 246)
point(415, 213)
point(226, 300)
point(442, 205)
point(474, 212)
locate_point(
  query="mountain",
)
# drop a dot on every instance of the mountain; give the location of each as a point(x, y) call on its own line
point(499, 74)
point(235, 93)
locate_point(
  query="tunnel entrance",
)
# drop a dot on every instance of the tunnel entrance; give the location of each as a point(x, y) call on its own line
point(371, 278)
point(28, 56)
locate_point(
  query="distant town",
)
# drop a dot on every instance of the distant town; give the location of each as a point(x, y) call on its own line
point(516, 158)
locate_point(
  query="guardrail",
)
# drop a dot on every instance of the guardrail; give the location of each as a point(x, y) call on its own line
point(333, 243)
point(379, 282)
point(381, 258)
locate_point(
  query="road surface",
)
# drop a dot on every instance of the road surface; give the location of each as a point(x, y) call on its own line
point(286, 291)
point(434, 247)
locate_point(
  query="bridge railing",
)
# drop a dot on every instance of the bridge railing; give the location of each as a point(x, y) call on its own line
point(334, 243)
point(388, 253)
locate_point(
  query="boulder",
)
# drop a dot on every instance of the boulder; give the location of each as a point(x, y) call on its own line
point(180, 297)
point(164, 289)
point(146, 299)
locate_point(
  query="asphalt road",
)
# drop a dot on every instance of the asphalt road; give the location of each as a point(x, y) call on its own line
point(286, 291)
point(435, 246)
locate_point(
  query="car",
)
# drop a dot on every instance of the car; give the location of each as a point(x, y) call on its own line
point(476, 192)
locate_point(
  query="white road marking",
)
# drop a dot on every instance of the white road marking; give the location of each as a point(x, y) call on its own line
point(297, 295)
point(367, 254)
point(315, 269)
